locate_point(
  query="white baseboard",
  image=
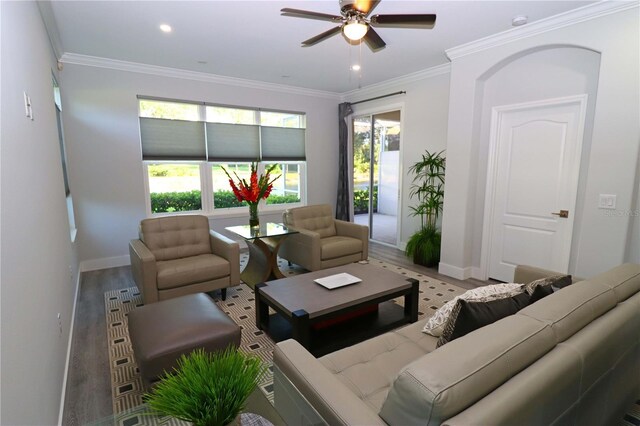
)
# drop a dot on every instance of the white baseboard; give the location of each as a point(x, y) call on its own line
point(104, 263)
point(454, 271)
point(68, 359)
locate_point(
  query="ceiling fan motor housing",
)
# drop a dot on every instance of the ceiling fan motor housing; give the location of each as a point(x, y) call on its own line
point(347, 6)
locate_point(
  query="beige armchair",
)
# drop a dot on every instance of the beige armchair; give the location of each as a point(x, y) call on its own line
point(322, 242)
point(178, 255)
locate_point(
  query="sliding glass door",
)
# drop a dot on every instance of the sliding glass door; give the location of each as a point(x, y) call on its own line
point(376, 160)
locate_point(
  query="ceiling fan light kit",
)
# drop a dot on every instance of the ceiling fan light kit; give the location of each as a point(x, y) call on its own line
point(355, 24)
point(355, 30)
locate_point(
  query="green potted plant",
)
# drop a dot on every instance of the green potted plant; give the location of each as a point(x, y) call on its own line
point(207, 389)
point(428, 188)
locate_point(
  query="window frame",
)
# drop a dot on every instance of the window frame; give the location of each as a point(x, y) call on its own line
point(206, 191)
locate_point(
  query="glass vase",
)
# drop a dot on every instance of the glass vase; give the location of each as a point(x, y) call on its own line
point(254, 220)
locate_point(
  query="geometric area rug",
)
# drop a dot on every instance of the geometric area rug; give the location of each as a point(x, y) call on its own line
point(126, 384)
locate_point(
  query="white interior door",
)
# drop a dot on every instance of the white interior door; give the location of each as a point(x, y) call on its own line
point(536, 162)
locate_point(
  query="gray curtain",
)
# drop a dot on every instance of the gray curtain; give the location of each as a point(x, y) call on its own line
point(342, 204)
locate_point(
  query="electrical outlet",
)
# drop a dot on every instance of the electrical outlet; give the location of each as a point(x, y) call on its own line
point(60, 323)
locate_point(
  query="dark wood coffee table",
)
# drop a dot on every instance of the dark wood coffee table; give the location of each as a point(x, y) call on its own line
point(303, 307)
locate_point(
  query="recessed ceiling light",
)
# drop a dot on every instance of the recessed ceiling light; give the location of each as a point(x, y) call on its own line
point(355, 67)
point(165, 28)
point(202, 62)
point(285, 76)
point(519, 20)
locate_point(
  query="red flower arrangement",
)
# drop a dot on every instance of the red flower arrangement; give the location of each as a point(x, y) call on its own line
point(258, 188)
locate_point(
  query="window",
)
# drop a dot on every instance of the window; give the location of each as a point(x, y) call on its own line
point(174, 187)
point(185, 146)
point(286, 189)
point(63, 158)
point(223, 197)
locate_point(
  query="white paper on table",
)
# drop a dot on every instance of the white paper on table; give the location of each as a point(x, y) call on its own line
point(337, 280)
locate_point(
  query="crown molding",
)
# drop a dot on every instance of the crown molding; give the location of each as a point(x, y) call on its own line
point(114, 64)
point(571, 17)
point(405, 79)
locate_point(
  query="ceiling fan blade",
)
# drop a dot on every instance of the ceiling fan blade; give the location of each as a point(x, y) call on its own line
point(418, 21)
point(373, 40)
point(365, 6)
point(297, 13)
point(321, 37)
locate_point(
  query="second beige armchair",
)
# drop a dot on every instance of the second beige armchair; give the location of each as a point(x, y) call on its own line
point(323, 242)
point(178, 255)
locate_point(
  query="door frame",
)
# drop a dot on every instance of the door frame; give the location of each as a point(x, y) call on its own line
point(497, 115)
point(374, 111)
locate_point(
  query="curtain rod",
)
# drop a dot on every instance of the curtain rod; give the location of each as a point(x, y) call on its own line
point(402, 92)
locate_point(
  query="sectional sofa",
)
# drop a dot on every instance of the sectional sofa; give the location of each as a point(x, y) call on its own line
point(570, 358)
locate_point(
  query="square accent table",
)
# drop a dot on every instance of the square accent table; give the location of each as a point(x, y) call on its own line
point(303, 308)
point(263, 244)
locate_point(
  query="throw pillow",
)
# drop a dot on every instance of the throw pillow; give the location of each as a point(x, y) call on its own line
point(435, 324)
point(468, 316)
point(558, 281)
point(540, 292)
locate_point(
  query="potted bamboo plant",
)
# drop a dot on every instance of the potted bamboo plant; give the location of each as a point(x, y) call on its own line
point(207, 389)
point(428, 189)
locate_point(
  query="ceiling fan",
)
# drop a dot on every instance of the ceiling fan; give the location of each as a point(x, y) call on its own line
point(355, 23)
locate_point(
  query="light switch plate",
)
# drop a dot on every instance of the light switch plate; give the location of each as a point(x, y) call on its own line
point(607, 201)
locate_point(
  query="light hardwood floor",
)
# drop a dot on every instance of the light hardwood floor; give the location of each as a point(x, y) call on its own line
point(88, 393)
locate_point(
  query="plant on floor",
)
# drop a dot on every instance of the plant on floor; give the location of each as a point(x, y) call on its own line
point(207, 389)
point(428, 189)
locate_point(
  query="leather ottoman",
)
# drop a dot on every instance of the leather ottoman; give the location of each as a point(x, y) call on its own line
point(162, 332)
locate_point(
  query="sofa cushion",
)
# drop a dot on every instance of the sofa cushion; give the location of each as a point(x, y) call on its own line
point(318, 218)
point(444, 382)
point(414, 333)
point(190, 270)
point(370, 367)
point(624, 280)
point(175, 237)
point(468, 316)
point(435, 324)
point(332, 247)
point(570, 309)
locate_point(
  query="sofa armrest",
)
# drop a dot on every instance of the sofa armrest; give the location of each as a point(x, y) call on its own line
point(525, 274)
point(227, 249)
point(334, 401)
point(353, 230)
point(143, 269)
point(303, 249)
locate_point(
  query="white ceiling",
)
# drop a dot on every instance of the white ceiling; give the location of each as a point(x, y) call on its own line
point(250, 40)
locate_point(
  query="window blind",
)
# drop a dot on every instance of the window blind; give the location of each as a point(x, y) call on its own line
point(282, 143)
point(172, 139)
point(232, 142)
point(166, 139)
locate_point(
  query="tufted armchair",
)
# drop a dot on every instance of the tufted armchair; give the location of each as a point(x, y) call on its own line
point(178, 255)
point(323, 242)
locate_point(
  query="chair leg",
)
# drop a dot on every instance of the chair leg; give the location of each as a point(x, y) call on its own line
point(224, 293)
point(289, 262)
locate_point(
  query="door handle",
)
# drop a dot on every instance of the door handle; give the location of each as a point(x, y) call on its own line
point(562, 213)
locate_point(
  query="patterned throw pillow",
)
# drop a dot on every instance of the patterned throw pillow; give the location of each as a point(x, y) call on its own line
point(558, 281)
point(435, 324)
